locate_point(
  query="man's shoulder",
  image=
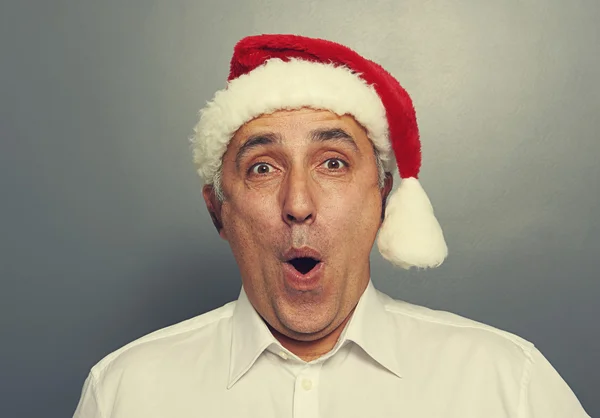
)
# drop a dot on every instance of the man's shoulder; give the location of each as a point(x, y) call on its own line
point(172, 340)
point(434, 324)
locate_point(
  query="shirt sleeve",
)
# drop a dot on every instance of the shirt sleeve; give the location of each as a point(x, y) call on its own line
point(545, 394)
point(88, 403)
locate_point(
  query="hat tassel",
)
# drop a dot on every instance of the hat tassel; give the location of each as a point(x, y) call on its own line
point(410, 235)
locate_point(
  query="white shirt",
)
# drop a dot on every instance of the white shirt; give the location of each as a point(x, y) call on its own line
point(393, 359)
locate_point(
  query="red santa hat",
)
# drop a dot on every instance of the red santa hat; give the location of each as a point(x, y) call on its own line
point(276, 72)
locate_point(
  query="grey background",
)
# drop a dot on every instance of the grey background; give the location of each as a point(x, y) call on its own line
point(104, 236)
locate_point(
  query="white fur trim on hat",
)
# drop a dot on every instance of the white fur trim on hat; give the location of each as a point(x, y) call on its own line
point(279, 85)
point(410, 235)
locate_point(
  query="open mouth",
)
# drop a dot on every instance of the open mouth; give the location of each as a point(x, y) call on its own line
point(304, 264)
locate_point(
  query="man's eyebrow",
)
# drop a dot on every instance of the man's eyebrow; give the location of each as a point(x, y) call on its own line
point(254, 141)
point(335, 134)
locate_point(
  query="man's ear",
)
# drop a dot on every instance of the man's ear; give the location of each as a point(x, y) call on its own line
point(214, 208)
point(385, 192)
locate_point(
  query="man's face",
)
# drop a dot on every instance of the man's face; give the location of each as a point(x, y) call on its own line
point(301, 211)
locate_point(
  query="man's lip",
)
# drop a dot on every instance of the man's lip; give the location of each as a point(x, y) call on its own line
point(302, 252)
point(297, 282)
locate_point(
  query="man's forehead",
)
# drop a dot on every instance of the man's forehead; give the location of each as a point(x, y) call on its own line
point(303, 124)
point(294, 119)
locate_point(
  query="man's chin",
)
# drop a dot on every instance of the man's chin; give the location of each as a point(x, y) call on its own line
point(305, 324)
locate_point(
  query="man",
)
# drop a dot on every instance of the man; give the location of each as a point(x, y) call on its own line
point(297, 155)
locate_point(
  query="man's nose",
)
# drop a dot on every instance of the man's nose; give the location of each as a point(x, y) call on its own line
point(298, 199)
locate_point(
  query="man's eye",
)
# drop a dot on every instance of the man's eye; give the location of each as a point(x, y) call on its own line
point(261, 168)
point(334, 164)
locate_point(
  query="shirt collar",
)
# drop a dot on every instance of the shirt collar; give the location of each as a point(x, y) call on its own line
point(370, 328)
point(250, 337)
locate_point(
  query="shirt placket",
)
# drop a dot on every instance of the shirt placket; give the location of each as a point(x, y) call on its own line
point(306, 392)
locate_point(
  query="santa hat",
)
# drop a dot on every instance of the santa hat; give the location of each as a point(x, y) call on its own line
point(275, 72)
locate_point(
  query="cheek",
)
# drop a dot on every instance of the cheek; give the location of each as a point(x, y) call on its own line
point(250, 220)
point(354, 212)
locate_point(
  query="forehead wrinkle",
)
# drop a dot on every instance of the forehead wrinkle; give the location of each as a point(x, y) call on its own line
point(255, 141)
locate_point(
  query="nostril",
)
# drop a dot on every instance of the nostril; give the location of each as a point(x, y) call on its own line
point(292, 218)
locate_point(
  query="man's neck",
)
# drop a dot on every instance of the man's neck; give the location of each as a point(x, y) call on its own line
point(311, 350)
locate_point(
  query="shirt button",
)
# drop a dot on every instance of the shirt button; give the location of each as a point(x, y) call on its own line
point(283, 355)
point(307, 384)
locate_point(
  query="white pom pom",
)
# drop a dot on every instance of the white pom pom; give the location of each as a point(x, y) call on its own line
point(410, 235)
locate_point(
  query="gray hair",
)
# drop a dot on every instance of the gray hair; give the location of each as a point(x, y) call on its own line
point(218, 185)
